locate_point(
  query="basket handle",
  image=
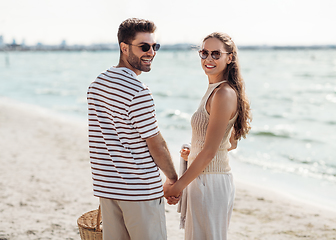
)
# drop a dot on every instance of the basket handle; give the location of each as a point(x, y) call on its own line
point(98, 219)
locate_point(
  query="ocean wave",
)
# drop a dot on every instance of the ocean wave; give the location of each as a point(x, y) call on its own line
point(283, 135)
point(331, 98)
point(309, 161)
point(271, 134)
point(169, 94)
point(283, 115)
point(174, 126)
point(277, 116)
point(306, 168)
point(174, 119)
point(276, 96)
point(304, 75)
point(175, 114)
point(332, 76)
point(52, 91)
point(163, 94)
point(331, 122)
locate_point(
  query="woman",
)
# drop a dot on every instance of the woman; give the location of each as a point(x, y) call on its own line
point(223, 117)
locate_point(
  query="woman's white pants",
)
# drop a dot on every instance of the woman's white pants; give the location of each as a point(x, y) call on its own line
point(210, 200)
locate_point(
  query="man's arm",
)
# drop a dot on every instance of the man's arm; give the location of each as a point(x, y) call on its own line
point(160, 153)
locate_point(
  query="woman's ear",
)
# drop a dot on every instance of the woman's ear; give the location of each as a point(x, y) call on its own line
point(229, 59)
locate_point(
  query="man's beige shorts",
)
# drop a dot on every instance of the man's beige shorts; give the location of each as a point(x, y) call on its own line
point(128, 220)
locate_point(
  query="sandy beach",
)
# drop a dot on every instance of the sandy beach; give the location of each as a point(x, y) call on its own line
point(46, 185)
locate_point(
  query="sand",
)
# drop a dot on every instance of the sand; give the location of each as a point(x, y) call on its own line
point(46, 185)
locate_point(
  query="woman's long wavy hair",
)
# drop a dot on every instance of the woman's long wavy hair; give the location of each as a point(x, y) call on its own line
point(232, 74)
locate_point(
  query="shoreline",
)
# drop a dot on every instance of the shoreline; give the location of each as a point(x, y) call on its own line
point(46, 185)
point(302, 190)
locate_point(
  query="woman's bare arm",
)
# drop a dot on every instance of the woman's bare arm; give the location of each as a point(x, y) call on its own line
point(223, 107)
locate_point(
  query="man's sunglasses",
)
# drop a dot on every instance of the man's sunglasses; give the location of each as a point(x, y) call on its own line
point(145, 46)
point(214, 54)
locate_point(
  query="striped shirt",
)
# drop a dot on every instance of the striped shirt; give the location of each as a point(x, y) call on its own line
point(121, 117)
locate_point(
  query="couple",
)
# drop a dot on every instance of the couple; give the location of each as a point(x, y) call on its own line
point(127, 148)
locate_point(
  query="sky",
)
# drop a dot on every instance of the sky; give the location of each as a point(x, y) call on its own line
point(248, 22)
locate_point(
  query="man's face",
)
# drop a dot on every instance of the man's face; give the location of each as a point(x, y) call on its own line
point(138, 59)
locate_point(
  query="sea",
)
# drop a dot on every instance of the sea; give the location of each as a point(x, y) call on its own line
point(291, 147)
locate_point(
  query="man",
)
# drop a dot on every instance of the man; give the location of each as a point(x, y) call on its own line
point(126, 147)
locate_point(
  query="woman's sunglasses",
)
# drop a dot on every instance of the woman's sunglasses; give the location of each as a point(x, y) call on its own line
point(145, 46)
point(214, 54)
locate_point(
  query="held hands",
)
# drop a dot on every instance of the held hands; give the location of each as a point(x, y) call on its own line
point(171, 196)
point(170, 189)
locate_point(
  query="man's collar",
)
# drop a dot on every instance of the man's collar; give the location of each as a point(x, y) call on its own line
point(126, 70)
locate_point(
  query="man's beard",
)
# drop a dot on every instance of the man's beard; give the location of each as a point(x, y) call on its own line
point(136, 63)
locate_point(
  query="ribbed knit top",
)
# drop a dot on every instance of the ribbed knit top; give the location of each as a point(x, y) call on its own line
point(199, 125)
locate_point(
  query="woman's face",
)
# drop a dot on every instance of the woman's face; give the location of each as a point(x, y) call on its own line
point(210, 65)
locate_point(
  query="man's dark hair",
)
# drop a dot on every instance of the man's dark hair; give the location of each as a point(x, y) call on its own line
point(130, 27)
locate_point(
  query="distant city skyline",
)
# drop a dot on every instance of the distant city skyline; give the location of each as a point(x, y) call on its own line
point(114, 45)
point(257, 22)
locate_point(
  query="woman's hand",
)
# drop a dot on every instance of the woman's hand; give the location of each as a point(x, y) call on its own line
point(173, 200)
point(185, 153)
point(233, 141)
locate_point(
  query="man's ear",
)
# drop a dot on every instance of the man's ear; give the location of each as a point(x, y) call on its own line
point(124, 48)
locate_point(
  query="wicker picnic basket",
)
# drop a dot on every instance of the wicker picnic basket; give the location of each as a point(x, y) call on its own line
point(89, 225)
